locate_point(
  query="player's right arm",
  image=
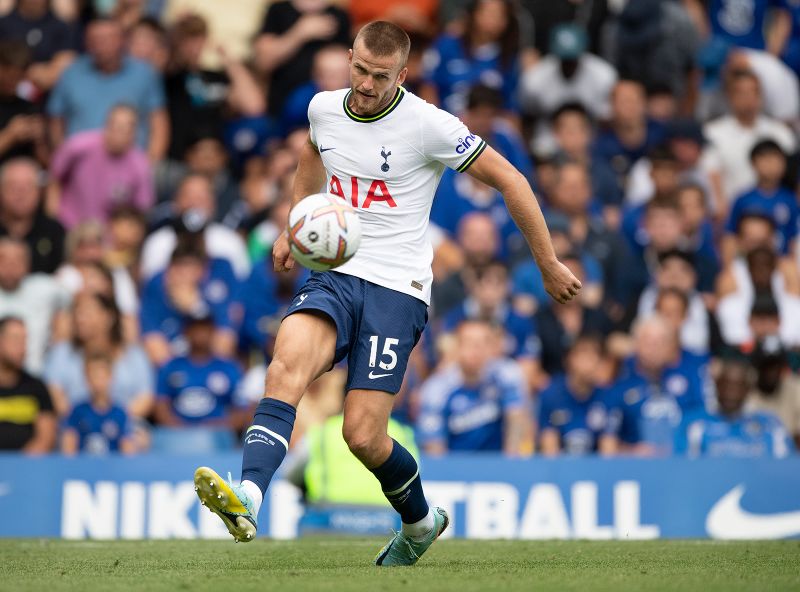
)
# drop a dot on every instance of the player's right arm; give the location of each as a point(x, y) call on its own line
point(309, 179)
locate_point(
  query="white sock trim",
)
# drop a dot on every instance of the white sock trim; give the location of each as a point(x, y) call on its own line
point(269, 432)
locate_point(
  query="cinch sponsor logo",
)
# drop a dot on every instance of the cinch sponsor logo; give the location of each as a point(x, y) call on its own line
point(465, 143)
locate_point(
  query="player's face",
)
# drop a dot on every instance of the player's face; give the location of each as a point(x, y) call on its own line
point(373, 79)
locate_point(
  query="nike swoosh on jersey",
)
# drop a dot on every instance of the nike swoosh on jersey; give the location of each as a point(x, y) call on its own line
point(728, 520)
point(373, 376)
point(321, 149)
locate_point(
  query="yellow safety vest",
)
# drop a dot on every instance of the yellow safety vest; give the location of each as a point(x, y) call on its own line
point(333, 475)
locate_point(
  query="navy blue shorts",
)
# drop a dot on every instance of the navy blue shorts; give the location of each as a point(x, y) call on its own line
point(376, 327)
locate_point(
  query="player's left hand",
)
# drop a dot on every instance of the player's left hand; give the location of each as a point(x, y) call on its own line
point(282, 259)
point(560, 282)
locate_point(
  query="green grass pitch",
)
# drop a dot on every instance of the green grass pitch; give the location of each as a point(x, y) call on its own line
point(344, 564)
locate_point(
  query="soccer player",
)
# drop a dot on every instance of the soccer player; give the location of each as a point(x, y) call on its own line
point(382, 150)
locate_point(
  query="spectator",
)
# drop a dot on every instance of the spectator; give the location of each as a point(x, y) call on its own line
point(21, 122)
point(742, 284)
point(148, 42)
point(560, 325)
point(191, 211)
point(663, 171)
point(684, 143)
point(732, 137)
point(568, 74)
point(478, 238)
point(528, 284)
point(97, 426)
point(97, 330)
point(197, 98)
point(460, 195)
point(676, 272)
point(488, 298)
point(22, 216)
point(697, 227)
point(657, 44)
point(548, 15)
point(198, 388)
point(85, 269)
point(36, 298)
point(27, 421)
point(479, 404)
point(739, 25)
point(768, 197)
point(330, 71)
point(660, 386)
point(265, 297)
point(51, 41)
point(192, 285)
point(658, 230)
point(292, 33)
point(776, 389)
point(573, 197)
point(206, 156)
point(572, 131)
point(732, 431)
point(126, 233)
point(105, 77)
point(483, 117)
point(486, 52)
point(414, 16)
point(574, 413)
point(630, 135)
point(97, 170)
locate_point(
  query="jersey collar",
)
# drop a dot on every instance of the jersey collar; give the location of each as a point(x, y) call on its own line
point(398, 96)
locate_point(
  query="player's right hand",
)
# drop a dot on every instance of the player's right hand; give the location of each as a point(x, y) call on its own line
point(282, 259)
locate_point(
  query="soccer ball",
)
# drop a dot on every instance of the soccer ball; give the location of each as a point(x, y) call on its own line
point(324, 232)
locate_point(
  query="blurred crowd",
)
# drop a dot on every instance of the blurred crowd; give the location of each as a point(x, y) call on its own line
point(147, 149)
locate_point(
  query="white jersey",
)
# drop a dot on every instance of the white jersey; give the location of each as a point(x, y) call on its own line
point(387, 166)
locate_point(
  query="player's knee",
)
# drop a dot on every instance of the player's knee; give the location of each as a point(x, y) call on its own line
point(286, 381)
point(362, 442)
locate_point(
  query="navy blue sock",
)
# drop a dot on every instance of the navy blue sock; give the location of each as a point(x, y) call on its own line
point(266, 441)
point(399, 478)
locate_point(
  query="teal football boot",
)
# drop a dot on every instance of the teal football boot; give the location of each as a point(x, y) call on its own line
point(403, 550)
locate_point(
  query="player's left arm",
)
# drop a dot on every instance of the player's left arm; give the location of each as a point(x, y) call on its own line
point(309, 179)
point(491, 168)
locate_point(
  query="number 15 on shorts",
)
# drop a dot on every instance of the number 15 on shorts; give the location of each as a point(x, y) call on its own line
point(388, 358)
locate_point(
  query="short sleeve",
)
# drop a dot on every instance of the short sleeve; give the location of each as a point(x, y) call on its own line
point(42, 395)
point(311, 113)
point(513, 385)
point(163, 389)
point(153, 309)
point(72, 420)
point(155, 99)
point(545, 409)
point(57, 103)
point(138, 365)
point(447, 140)
point(431, 422)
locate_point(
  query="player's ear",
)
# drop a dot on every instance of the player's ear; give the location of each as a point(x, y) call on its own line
point(350, 57)
point(401, 77)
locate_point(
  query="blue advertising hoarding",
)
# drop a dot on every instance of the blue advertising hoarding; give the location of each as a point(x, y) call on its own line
point(488, 497)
